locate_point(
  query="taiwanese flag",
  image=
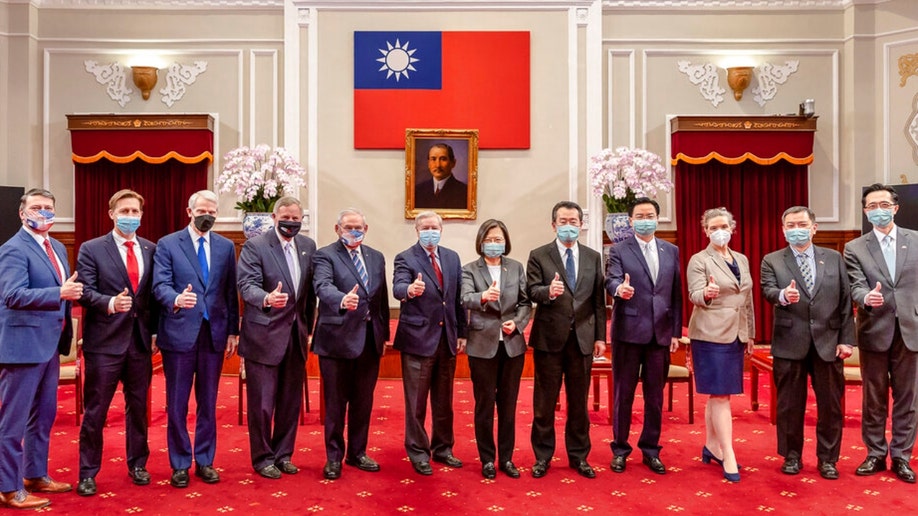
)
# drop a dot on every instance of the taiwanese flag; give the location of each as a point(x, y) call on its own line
point(441, 80)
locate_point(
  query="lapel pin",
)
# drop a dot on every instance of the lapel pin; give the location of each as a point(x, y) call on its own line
point(821, 262)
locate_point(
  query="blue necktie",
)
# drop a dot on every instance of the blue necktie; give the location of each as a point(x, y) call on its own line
point(360, 270)
point(569, 268)
point(205, 271)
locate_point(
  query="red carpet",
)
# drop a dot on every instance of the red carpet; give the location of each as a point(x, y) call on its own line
point(688, 487)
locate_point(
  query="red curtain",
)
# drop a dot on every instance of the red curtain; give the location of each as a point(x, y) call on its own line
point(165, 187)
point(756, 195)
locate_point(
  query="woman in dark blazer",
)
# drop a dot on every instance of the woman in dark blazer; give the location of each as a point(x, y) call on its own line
point(722, 328)
point(494, 292)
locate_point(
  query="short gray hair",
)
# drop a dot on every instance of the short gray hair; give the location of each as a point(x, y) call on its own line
point(206, 194)
point(287, 201)
point(799, 209)
point(427, 215)
point(717, 212)
point(351, 211)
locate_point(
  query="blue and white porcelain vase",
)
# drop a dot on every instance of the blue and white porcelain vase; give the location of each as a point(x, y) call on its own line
point(256, 223)
point(618, 227)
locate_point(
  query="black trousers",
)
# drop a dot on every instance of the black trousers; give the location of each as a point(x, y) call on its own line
point(432, 377)
point(496, 381)
point(649, 363)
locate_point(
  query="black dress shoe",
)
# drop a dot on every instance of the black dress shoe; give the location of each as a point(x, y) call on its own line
point(489, 471)
point(583, 469)
point(655, 465)
point(422, 467)
point(270, 471)
point(539, 468)
point(207, 474)
point(510, 469)
point(827, 470)
point(86, 487)
point(179, 478)
point(286, 467)
point(871, 466)
point(449, 460)
point(363, 463)
point(791, 466)
point(902, 470)
point(139, 475)
point(332, 470)
point(618, 463)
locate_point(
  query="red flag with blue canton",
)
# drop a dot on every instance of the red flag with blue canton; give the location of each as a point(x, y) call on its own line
point(444, 80)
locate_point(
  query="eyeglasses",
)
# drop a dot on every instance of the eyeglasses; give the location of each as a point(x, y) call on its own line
point(645, 217)
point(882, 205)
point(494, 240)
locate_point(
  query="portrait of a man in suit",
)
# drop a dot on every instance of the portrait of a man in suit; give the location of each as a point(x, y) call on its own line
point(443, 189)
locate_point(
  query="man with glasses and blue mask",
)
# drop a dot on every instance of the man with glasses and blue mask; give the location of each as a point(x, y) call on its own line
point(883, 271)
point(813, 335)
point(565, 281)
point(431, 331)
point(643, 275)
point(275, 273)
point(119, 321)
point(350, 335)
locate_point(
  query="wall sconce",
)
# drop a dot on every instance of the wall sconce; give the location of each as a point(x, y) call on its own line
point(738, 78)
point(145, 79)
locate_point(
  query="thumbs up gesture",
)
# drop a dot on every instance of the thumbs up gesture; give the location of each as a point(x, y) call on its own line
point(874, 297)
point(417, 287)
point(187, 299)
point(492, 294)
point(277, 298)
point(351, 299)
point(625, 290)
point(123, 301)
point(556, 288)
point(791, 294)
point(711, 290)
point(71, 289)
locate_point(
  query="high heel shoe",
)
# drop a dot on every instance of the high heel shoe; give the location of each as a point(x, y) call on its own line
point(731, 477)
point(707, 457)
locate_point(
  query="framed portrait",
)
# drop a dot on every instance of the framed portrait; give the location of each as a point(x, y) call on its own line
point(441, 172)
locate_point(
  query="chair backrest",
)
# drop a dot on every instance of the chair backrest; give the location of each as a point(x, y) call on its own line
point(72, 356)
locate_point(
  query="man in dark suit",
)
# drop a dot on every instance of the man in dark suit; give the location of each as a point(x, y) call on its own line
point(644, 276)
point(443, 190)
point(194, 282)
point(565, 281)
point(883, 271)
point(813, 334)
point(352, 328)
point(119, 321)
point(35, 328)
point(275, 281)
point(431, 331)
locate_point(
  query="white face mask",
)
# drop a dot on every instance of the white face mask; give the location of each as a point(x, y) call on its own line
point(720, 238)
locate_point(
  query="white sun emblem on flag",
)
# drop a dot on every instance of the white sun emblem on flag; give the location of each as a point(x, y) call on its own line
point(397, 60)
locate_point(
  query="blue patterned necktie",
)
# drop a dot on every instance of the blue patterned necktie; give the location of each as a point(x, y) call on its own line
point(804, 263)
point(569, 268)
point(889, 253)
point(205, 270)
point(291, 265)
point(360, 270)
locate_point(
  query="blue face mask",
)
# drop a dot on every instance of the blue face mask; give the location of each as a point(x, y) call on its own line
point(41, 222)
point(352, 238)
point(880, 217)
point(429, 237)
point(493, 249)
point(127, 225)
point(567, 234)
point(797, 236)
point(645, 226)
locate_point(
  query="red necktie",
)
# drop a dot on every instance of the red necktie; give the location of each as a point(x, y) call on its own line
point(436, 268)
point(54, 263)
point(132, 269)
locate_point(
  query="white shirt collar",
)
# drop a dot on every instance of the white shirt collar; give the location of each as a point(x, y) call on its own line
point(880, 236)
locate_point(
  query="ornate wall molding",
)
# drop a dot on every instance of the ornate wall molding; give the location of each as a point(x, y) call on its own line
point(694, 5)
point(113, 77)
point(911, 129)
point(908, 66)
point(178, 76)
point(769, 76)
point(705, 77)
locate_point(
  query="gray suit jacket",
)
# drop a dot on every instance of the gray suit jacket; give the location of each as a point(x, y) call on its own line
point(866, 267)
point(728, 316)
point(485, 320)
point(581, 306)
point(822, 316)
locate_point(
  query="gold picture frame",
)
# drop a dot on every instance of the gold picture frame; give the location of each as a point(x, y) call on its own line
point(455, 156)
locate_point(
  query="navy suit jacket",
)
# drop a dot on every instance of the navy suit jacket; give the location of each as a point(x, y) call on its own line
point(341, 333)
point(266, 330)
point(32, 313)
point(423, 318)
point(655, 310)
point(175, 266)
point(104, 276)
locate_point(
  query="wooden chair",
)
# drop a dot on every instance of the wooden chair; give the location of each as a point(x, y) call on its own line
point(71, 373)
point(852, 374)
point(242, 381)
